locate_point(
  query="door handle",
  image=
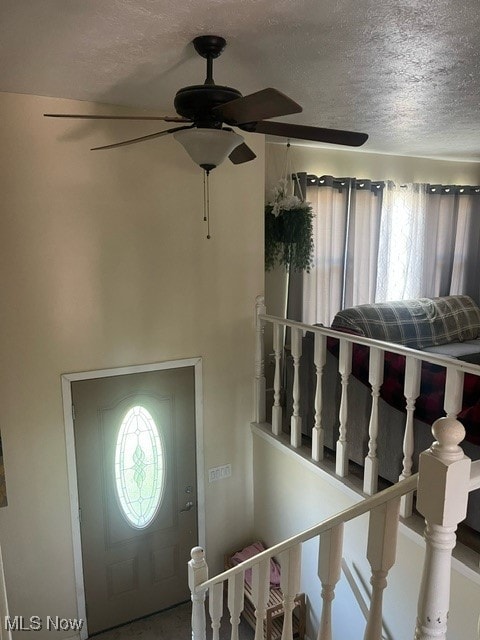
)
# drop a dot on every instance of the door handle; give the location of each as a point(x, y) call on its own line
point(187, 507)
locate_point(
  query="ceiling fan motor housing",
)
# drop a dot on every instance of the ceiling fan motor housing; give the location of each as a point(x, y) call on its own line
point(197, 101)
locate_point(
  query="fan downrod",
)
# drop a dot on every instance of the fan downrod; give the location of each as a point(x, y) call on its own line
point(196, 102)
point(209, 46)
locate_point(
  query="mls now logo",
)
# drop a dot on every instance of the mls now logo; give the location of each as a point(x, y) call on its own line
point(36, 623)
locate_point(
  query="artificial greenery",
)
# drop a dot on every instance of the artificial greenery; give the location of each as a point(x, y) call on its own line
point(289, 235)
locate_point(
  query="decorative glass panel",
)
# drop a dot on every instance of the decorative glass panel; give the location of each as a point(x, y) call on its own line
point(139, 467)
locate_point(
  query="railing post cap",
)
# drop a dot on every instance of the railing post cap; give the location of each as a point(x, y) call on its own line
point(448, 433)
point(197, 554)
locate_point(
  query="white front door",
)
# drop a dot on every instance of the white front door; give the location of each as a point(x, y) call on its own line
point(135, 453)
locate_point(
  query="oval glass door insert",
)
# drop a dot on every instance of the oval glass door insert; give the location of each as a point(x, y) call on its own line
point(139, 467)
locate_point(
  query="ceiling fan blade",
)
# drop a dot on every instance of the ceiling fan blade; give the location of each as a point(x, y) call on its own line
point(105, 117)
point(151, 136)
point(315, 134)
point(241, 154)
point(267, 103)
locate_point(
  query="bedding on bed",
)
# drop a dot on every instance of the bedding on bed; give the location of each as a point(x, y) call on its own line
point(418, 323)
point(429, 405)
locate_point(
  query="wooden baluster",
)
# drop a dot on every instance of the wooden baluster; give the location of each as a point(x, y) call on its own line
point(413, 368)
point(381, 552)
point(453, 392)
point(445, 468)
point(329, 569)
point(259, 382)
point(375, 377)
point(318, 433)
point(277, 382)
point(345, 369)
point(197, 574)
point(235, 602)
point(290, 562)
point(296, 420)
point(260, 594)
point(215, 608)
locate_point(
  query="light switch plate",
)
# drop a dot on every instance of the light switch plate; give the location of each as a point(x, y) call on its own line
point(219, 473)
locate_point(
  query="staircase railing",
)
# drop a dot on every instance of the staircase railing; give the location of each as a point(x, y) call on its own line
point(443, 482)
point(453, 391)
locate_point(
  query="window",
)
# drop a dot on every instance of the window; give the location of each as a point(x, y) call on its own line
point(139, 467)
point(378, 242)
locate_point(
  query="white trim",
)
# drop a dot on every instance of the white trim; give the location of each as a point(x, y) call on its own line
point(74, 507)
point(67, 379)
point(200, 451)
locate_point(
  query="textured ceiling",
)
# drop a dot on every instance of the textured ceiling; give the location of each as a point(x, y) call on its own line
point(407, 72)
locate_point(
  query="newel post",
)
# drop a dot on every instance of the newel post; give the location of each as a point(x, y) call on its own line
point(443, 484)
point(197, 574)
point(259, 389)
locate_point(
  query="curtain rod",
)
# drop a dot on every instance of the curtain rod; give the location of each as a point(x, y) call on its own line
point(448, 189)
point(376, 186)
point(452, 189)
point(340, 183)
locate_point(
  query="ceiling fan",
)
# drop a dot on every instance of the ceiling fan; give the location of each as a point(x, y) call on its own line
point(208, 111)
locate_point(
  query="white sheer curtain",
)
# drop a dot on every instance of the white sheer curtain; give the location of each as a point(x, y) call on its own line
point(429, 242)
point(401, 253)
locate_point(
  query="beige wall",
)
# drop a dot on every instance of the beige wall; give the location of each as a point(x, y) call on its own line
point(289, 497)
point(104, 263)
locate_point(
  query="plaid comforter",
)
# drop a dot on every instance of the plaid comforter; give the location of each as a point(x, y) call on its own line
point(417, 324)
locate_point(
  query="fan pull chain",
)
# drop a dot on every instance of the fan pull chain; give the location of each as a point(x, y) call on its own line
point(288, 171)
point(206, 201)
point(286, 166)
point(204, 196)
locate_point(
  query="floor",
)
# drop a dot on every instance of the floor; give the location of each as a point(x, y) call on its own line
point(172, 624)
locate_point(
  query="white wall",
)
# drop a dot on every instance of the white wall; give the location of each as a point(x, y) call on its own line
point(104, 263)
point(290, 497)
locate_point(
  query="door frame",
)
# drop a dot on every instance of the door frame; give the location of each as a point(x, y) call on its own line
point(67, 380)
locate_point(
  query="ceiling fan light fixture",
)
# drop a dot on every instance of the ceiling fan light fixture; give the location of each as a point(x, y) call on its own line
point(208, 147)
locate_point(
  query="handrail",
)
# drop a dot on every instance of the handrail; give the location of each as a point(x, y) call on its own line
point(401, 488)
point(426, 356)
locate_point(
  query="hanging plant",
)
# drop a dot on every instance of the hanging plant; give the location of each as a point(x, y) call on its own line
point(288, 231)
